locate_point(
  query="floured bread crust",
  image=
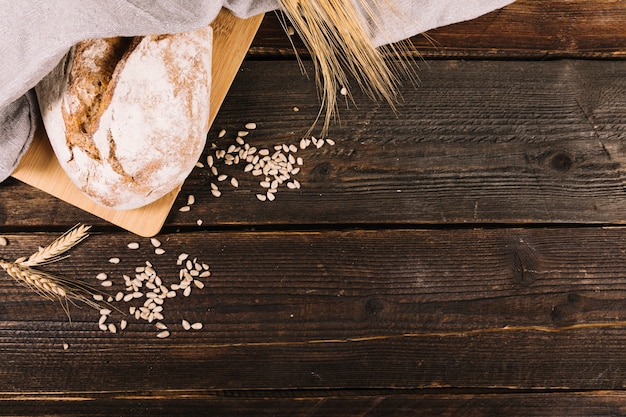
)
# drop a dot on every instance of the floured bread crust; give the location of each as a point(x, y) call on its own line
point(128, 117)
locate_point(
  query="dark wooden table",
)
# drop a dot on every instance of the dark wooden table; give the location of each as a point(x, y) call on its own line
point(465, 256)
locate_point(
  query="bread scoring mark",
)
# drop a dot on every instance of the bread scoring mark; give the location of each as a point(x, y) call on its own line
point(112, 158)
point(93, 71)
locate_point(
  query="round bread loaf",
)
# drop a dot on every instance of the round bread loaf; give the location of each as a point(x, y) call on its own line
point(128, 117)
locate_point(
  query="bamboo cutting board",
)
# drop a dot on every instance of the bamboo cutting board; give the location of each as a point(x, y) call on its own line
point(39, 167)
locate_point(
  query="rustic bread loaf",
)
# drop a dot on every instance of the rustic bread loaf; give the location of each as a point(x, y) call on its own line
point(128, 117)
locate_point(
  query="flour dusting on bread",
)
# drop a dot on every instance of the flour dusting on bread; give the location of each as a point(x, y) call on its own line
point(128, 117)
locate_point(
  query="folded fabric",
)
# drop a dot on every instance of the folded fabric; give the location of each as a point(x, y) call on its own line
point(38, 33)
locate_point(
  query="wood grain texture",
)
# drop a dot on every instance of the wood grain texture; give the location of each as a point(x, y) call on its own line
point(337, 404)
point(513, 309)
point(480, 142)
point(526, 29)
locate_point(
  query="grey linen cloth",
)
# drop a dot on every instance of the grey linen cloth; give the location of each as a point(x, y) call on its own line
point(38, 33)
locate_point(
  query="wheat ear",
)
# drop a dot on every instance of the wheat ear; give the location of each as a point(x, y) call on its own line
point(55, 250)
point(53, 287)
point(337, 39)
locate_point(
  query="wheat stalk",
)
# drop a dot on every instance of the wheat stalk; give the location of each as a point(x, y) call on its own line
point(337, 39)
point(50, 286)
point(55, 250)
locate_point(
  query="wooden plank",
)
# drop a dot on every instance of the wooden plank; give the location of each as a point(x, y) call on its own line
point(40, 168)
point(514, 309)
point(485, 142)
point(338, 404)
point(475, 142)
point(525, 29)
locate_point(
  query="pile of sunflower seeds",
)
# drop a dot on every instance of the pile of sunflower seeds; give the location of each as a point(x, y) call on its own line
point(274, 167)
point(145, 292)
